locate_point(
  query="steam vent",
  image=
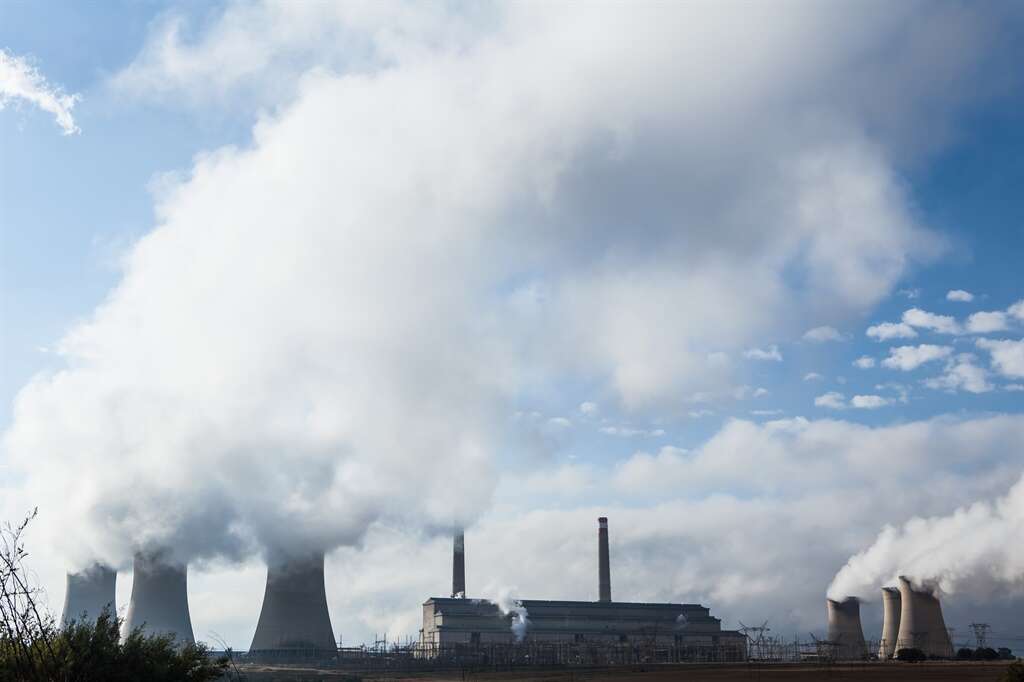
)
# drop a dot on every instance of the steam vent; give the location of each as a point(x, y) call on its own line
point(845, 630)
point(921, 623)
point(159, 602)
point(294, 622)
point(88, 593)
point(890, 622)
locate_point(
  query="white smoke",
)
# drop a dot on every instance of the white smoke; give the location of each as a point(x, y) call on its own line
point(976, 550)
point(330, 325)
point(510, 606)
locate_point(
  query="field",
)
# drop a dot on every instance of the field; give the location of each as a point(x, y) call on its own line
point(945, 672)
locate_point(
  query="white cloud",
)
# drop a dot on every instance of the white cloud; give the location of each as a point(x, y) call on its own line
point(699, 414)
point(959, 295)
point(869, 402)
point(771, 353)
point(631, 432)
point(1017, 310)
point(911, 294)
point(987, 322)
point(961, 373)
point(907, 358)
point(813, 376)
point(589, 409)
point(864, 362)
point(943, 324)
point(822, 334)
point(559, 422)
point(1013, 387)
point(1007, 356)
point(20, 81)
point(891, 330)
point(765, 413)
point(832, 400)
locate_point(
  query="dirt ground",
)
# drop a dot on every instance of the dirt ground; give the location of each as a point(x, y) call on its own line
point(904, 672)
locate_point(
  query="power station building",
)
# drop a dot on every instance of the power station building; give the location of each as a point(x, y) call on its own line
point(454, 622)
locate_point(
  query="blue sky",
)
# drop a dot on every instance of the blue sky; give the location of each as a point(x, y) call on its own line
point(403, 259)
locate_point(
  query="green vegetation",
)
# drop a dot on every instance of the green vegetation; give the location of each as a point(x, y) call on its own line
point(1013, 673)
point(33, 648)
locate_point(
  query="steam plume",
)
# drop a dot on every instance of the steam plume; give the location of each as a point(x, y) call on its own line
point(976, 550)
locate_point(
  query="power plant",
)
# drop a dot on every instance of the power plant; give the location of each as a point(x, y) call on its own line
point(921, 623)
point(687, 629)
point(890, 622)
point(89, 592)
point(459, 565)
point(294, 621)
point(844, 629)
point(159, 601)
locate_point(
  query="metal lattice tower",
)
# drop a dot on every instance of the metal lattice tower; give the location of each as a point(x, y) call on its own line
point(981, 634)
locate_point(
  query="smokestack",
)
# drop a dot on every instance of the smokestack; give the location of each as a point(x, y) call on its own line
point(159, 602)
point(294, 621)
point(88, 593)
point(604, 575)
point(890, 622)
point(459, 565)
point(844, 628)
point(921, 623)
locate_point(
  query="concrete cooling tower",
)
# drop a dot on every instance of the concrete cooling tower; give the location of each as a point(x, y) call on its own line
point(159, 602)
point(294, 621)
point(844, 629)
point(890, 622)
point(88, 593)
point(921, 623)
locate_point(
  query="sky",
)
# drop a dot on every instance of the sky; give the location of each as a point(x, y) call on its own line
point(743, 278)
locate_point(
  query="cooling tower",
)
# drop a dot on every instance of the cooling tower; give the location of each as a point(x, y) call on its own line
point(294, 621)
point(604, 575)
point(88, 593)
point(844, 629)
point(890, 622)
point(159, 602)
point(459, 565)
point(921, 623)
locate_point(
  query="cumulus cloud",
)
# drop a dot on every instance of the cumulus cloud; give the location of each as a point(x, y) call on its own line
point(891, 330)
point(869, 402)
point(864, 362)
point(822, 334)
point(959, 295)
point(832, 400)
point(589, 409)
point(907, 358)
point(943, 324)
point(1017, 310)
point(22, 82)
point(813, 376)
point(630, 432)
point(1007, 356)
point(962, 373)
point(987, 322)
point(770, 353)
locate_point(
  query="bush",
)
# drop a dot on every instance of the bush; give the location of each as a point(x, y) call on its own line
point(1013, 673)
point(910, 655)
point(965, 654)
point(986, 654)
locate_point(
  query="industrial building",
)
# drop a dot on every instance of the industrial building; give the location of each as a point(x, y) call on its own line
point(462, 622)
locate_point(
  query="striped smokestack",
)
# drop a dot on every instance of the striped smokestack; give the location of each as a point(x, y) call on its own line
point(604, 574)
point(459, 565)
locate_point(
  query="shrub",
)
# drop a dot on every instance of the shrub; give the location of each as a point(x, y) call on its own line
point(965, 654)
point(1013, 673)
point(910, 655)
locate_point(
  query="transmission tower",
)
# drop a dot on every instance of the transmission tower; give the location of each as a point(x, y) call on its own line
point(981, 634)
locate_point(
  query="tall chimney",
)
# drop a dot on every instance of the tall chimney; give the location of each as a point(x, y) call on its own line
point(294, 621)
point(88, 593)
point(159, 602)
point(459, 565)
point(604, 575)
